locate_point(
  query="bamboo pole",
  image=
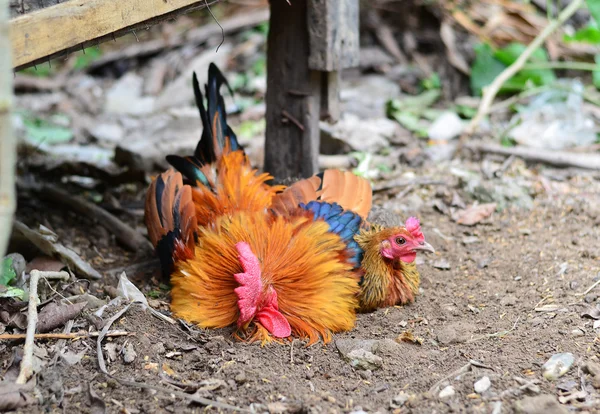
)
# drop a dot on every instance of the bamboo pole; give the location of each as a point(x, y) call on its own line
point(8, 143)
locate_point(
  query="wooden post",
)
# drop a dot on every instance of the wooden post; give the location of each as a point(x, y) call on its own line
point(8, 144)
point(292, 138)
point(309, 42)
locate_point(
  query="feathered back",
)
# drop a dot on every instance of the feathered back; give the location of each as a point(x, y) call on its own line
point(342, 222)
point(170, 217)
point(305, 263)
point(332, 186)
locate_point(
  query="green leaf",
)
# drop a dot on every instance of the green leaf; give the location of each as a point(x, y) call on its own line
point(594, 8)
point(7, 273)
point(432, 82)
point(489, 64)
point(588, 34)
point(12, 292)
point(41, 71)
point(42, 131)
point(485, 68)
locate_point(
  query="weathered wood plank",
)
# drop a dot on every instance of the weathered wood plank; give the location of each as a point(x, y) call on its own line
point(8, 142)
point(333, 32)
point(69, 26)
point(293, 95)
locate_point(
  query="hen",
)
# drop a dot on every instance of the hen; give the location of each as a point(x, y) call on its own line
point(273, 261)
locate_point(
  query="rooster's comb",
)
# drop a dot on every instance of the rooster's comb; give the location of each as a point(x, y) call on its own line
point(414, 227)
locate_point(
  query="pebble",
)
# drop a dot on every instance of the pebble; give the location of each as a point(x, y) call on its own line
point(557, 365)
point(399, 400)
point(482, 385)
point(508, 300)
point(441, 264)
point(129, 354)
point(577, 332)
point(447, 392)
point(447, 126)
point(541, 404)
point(363, 359)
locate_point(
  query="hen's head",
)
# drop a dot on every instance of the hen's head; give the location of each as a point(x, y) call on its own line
point(404, 242)
point(254, 301)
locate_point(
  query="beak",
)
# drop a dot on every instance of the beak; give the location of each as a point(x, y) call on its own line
point(426, 247)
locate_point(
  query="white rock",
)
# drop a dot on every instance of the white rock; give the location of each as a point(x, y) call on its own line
point(125, 96)
point(447, 392)
point(360, 135)
point(558, 365)
point(447, 126)
point(107, 132)
point(482, 385)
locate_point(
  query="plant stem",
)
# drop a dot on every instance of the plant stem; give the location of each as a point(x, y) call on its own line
point(490, 92)
point(563, 65)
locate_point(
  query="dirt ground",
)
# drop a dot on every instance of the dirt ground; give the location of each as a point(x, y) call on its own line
point(508, 298)
point(498, 299)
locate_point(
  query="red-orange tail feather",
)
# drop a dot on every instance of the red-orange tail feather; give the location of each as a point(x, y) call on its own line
point(333, 186)
point(170, 217)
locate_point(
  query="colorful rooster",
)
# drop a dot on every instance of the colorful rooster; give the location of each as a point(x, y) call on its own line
point(273, 261)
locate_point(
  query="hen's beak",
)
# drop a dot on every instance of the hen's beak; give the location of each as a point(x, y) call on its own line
point(426, 247)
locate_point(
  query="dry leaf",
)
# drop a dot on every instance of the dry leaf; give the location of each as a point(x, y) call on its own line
point(475, 214)
point(54, 316)
point(592, 312)
point(407, 336)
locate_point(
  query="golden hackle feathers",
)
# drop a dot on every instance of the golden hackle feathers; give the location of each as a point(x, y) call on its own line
point(385, 282)
point(345, 188)
point(305, 264)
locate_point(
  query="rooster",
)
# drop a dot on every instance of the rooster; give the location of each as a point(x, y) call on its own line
point(271, 260)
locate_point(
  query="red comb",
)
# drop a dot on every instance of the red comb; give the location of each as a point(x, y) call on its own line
point(250, 288)
point(414, 227)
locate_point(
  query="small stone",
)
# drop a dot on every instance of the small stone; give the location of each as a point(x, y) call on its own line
point(447, 126)
point(482, 385)
point(541, 404)
point(441, 264)
point(577, 332)
point(107, 132)
point(592, 368)
point(366, 375)
point(596, 324)
point(508, 300)
point(454, 333)
point(240, 378)
point(159, 348)
point(399, 400)
point(518, 278)
point(362, 359)
point(470, 240)
point(129, 354)
point(590, 297)
point(447, 392)
point(558, 365)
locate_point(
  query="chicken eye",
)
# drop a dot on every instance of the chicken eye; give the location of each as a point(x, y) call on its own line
point(400, 240)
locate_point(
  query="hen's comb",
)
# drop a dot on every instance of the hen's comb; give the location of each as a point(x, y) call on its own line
point(414, 227)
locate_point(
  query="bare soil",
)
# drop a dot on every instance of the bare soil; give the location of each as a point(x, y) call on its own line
point(489, 306)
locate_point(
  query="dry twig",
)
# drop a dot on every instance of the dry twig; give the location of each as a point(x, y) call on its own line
point(32, 317)
point(191, 397)
point(73, 335)
point(125, 234)
point(554, 158)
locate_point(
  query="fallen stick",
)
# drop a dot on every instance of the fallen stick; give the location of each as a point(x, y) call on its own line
point(554, 158)
point(32, 317)
point(183, 395)
point(125, 234)
point(74, 335)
